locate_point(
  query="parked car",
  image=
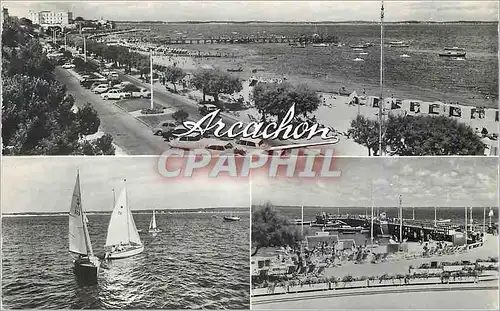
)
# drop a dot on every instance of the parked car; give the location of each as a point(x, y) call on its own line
point(191, 141)
point(207, 108)
point(250, 143)
point(101, 88)
point(174, 133)
point(164, 126)
point(113, 74)
point(115, 94)
point(219, 147)
point(91, 83)
point(136, 91)
point(68, 66)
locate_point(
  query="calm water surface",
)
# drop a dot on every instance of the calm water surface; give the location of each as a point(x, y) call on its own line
point(424, 74)
point(198, 261)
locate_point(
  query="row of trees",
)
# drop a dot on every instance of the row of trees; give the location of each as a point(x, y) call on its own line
point(417, 136)
point(37, 116)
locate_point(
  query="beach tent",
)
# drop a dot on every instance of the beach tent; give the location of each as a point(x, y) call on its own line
point(454, 111)
point(492, 115)
point(413, 107)
point(353, 99)
point(491, 146)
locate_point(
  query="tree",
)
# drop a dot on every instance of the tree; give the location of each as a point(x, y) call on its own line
point(201, 79)
point(180, 115)
point(431, 136)
point(270, 229)
point(79, 19)
point(215, 82)
point(275, 99)
point(173, 75)
point(37, 117)
point(365, 132)
point(87, 120)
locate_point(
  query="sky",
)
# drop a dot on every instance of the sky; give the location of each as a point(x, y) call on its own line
point(422, 182)
point(45, 184)
point(286, 11)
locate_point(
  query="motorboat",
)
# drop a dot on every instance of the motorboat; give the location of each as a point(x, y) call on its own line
point(232, 218)
point(398, 44)
point(455, 48)
point(452, 54)
point(321, 45)
point(357, 59)
point(404, 56)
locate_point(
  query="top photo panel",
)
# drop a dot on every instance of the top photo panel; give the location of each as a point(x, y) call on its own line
point(343, 78)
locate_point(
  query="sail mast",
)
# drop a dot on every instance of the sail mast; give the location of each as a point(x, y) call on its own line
point(128, 211)
point(381, 102)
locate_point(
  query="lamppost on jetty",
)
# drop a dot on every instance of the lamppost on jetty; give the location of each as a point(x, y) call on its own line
point(401, 219)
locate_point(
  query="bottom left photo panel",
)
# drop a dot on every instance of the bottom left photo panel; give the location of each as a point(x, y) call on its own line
point(113, 233)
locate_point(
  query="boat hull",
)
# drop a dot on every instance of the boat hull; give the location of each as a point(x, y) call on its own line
point(226, 218)
point(452, 54)
point(127, 252)
point(85, 271)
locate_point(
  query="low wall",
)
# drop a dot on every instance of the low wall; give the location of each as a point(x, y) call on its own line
point(370, 284)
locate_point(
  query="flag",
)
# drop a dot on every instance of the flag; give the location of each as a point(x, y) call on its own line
point(490, 214)
point(382, 11)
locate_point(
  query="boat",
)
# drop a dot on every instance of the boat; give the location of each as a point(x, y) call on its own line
point(299, 222)
point(455, 48)
point(398, 44)
point(232, 218)
point(123, 239)
point(452, 54)
point(86, 266)
point(321, 45)
point(239, 69)
point(404, 56)
point(363, 53)
point(357, 59)
point(361, 46)
point(298, 45)
point(152, 225)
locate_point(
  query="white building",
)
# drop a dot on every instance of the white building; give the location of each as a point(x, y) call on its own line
point(49, 18)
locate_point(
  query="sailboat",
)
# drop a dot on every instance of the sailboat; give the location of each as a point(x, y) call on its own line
point(86, 266)
point(123, 239)
point(152, 224)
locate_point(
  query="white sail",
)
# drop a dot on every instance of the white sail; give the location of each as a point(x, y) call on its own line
point(79, 239)
point(122, 227)
point(152, 224)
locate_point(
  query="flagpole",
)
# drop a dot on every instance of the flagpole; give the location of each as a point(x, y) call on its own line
point(435, 216)
point(484, 220)
point(381, 101)
point(151, 73)
point(371, 230)
point(465, 230)
point(401, 219)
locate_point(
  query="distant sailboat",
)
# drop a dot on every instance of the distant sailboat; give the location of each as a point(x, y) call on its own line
point(123, 238)
point(152, 225)
point(86, 266)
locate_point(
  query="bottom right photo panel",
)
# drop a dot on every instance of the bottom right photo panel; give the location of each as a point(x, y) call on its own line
point(385, 233)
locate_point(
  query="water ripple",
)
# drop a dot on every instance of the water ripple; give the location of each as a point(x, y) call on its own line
point(197, 262)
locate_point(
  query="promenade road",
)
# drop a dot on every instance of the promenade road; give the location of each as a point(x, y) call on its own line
point(480, 296)
point(131, 135)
